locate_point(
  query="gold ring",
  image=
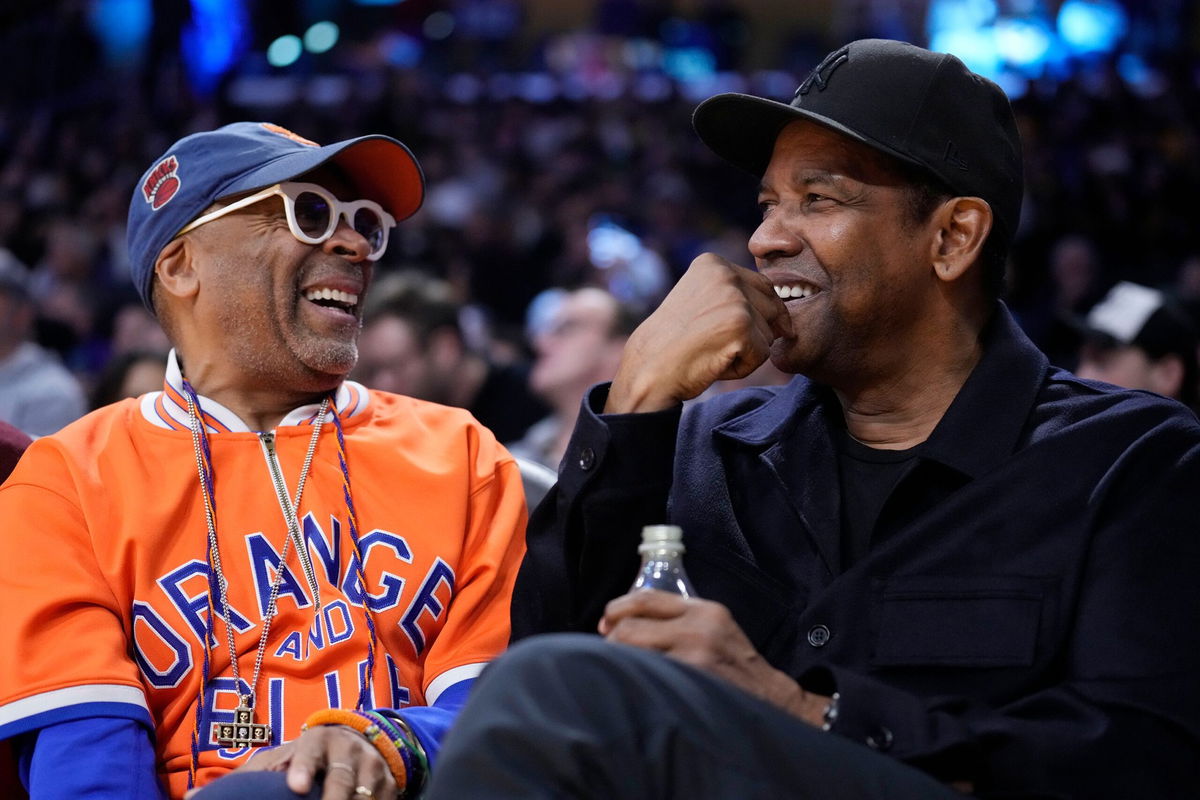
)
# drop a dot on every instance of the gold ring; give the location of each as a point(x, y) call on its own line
point(332, 765)
point(362, 791)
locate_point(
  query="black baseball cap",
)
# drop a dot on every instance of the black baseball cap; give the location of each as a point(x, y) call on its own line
point(924, 108)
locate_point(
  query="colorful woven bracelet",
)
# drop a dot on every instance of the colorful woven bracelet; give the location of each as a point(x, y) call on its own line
point(388, 725)
point(369, 728)
point(393, 732)
point(413, 745)
point(409, 745)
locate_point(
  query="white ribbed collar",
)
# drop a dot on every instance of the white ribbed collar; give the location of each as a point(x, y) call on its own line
point(168, 408)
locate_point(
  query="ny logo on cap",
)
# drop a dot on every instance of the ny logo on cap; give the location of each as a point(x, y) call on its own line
point(820, 75)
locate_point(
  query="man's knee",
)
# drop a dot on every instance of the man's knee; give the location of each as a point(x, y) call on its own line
point(561, 659)
point(565, 676)
point(258, 785)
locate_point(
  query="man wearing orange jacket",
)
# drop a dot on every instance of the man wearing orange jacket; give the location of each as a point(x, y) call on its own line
point(263, 559)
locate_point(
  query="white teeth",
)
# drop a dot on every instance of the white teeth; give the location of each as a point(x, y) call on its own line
point(786, 292)
point(336, 295)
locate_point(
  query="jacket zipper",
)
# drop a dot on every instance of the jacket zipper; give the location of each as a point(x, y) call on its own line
point(267, 438)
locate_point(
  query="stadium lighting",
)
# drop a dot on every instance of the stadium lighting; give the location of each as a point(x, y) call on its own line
point(284, 51)
point(122, 26)
point(438, 25)
point(1092, 26)
point(213, 41)
point(1023, 43)
point(975, 47)
point(321, 37)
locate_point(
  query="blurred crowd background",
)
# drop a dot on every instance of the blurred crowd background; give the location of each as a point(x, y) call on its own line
point(555, 137)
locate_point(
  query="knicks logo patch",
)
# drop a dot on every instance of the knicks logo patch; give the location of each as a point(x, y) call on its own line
point(162, 183)
point(285, 133)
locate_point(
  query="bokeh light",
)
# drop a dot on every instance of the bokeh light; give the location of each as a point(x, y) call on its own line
point(284, 51)
point(321, 37)
point(1092, 26)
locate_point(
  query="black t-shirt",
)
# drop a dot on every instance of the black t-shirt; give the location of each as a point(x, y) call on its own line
point(868, 476)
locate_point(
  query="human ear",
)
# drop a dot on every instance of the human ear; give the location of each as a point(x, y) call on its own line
point(176, 269)
point(963, 224)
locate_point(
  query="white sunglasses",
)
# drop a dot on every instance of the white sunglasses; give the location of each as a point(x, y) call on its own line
point(313, 213)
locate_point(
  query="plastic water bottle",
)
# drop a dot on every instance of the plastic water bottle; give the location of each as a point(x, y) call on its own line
point(662, 561)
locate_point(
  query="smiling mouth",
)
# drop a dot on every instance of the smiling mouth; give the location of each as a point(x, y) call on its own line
point(795, 290)
point(333, 298)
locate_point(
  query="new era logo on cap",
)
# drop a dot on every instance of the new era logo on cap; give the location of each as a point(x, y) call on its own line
point(953, 156)
point(162, 183)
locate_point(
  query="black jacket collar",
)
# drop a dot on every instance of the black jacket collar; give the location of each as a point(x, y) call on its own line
point(980, 428)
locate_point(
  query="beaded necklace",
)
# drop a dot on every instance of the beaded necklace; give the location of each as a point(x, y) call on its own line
point(243, 731)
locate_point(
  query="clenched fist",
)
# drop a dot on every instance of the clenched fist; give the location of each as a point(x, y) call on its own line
point(718, 323)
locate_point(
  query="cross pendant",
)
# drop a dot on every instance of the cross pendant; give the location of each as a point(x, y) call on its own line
point(243, 731)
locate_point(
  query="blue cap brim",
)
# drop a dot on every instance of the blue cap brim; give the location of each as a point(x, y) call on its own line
point(381, 168)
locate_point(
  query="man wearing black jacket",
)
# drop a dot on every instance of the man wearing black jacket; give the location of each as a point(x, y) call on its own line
point(932, 564)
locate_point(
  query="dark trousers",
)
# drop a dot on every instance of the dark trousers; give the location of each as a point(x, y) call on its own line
point(571, 715)
point(254, 786)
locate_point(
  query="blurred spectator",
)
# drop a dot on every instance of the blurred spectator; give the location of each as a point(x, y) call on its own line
point(1075, 268)
point(135, 328)
point(1076, 283)
point(68, 260)
point(537, 122)
point(1138, 338)
point(412, 343)
point(37, 394)
point(12, 444)
point(130, 374)
point(487, 30)
point(580, 346)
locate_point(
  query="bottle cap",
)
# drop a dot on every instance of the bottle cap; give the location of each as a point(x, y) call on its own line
point(661, 537)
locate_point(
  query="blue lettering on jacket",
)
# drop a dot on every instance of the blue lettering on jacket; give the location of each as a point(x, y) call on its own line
point(392, 584)
point(168, 676)
point(400, 694)
point(333, 689)
point(194, 608)
point(334, 624)
point(186, 589)
point(426, 601)
point(324, 549)
point(263, 561)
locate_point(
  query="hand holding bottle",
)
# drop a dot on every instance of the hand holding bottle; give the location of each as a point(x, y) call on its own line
point(704, 634)
point(698, 632)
